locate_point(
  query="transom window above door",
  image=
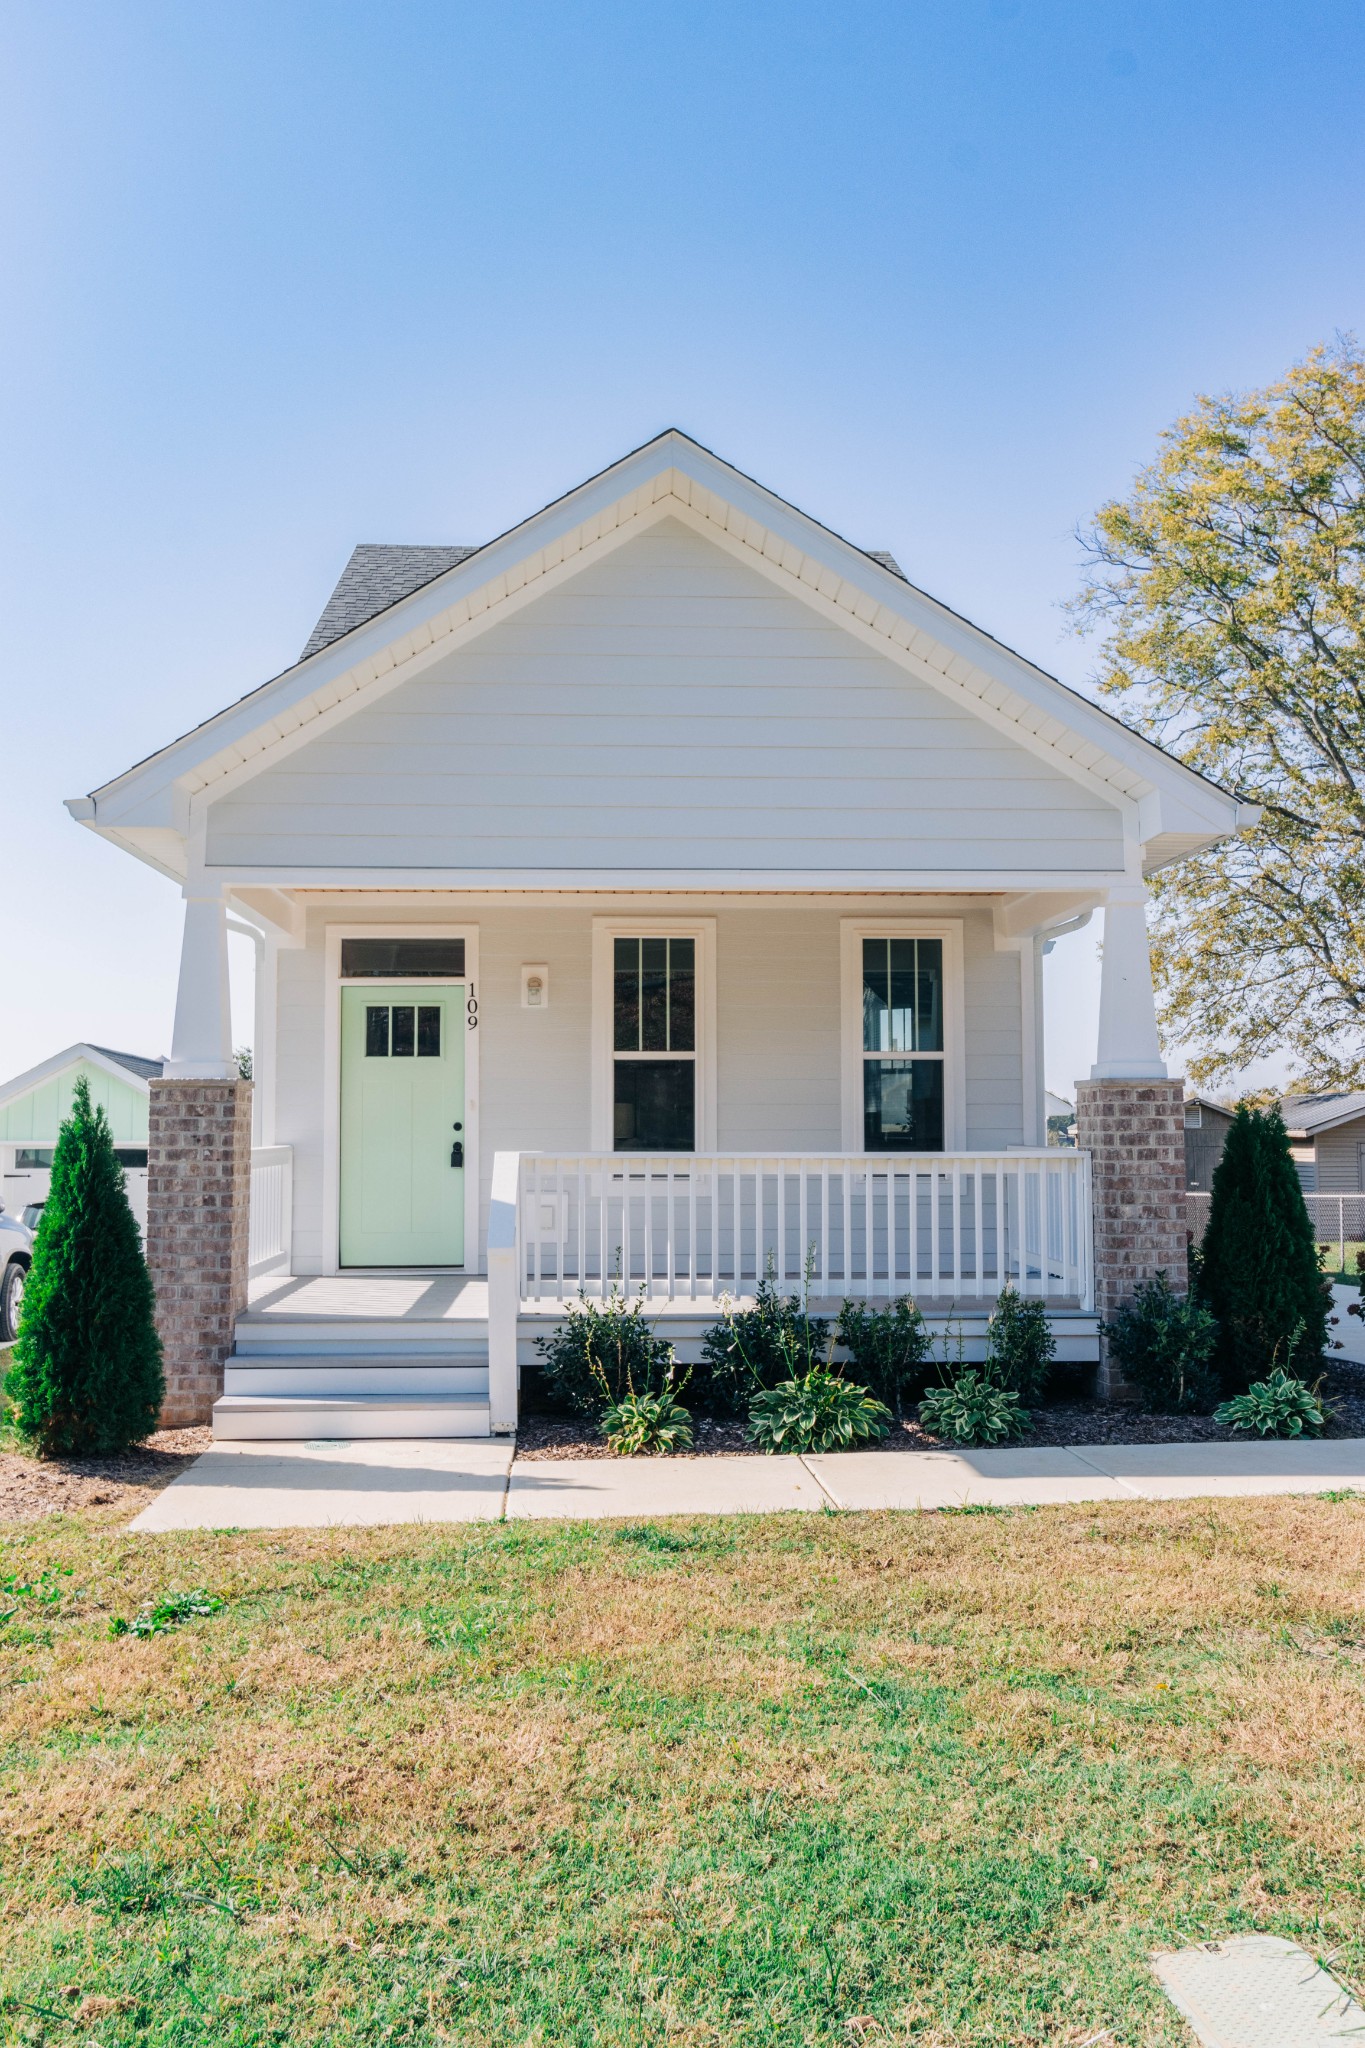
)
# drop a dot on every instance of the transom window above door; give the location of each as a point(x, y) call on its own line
point(402, 1031)
point(903, 1048)
point(654, 1044)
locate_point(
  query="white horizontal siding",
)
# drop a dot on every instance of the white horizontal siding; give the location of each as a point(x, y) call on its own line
point(1338, 1159)
point(777, 1025)
point(665, 708)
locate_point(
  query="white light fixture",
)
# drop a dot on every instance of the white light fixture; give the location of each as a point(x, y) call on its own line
point(535, 988)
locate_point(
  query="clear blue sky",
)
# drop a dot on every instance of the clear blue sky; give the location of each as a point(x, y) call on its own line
point(278, 278)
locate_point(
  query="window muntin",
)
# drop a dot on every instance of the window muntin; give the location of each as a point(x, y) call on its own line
point(398, 1030)
point(902, 1006)
point(654, 1013)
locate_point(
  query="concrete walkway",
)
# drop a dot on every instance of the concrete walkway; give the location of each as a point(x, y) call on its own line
point(355, 1485)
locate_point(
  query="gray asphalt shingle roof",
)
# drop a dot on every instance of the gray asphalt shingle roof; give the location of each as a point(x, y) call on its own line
point(373, 579)
point(136, 1062)
point(1332, 1105)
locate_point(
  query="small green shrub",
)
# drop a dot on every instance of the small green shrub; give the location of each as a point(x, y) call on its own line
point(1260, 1272)
point(602, 1352)
point(1277, 1406)
point(817, 1412)
point(890, 1348)
point(757, 1347)
point(647, 1425)
point(1166, 1344)
point(974, 1409)
point(154, 1617)
point(1020, 1346)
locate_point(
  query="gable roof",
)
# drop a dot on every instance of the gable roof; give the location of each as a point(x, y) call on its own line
point(1322, 1111)
point(126, 1066)
point(1171, 809)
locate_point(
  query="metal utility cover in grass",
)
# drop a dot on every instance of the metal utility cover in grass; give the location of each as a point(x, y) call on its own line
point(1259, 1992)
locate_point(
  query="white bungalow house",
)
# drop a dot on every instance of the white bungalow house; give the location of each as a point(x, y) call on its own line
point(660, 888)
point(34, 1106)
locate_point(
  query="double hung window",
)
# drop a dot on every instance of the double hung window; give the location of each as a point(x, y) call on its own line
point(903, 1044)
point(654, 1044)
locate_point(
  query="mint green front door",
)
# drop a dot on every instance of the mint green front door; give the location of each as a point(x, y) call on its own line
point(402, 1124)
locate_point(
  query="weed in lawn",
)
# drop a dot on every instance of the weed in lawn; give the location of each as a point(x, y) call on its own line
point(649, 1536)
point(154, 1617)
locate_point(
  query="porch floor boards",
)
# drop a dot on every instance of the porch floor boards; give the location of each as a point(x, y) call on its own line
point(454, 1298)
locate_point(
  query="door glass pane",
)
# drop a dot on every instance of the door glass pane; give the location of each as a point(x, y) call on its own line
point(377, 1031)
point(404, 1021)
point(876, 995)
point(382, 959)
point(655, 1105)
point(428, 1031)
point(929, 995)
point(626, 1024)
point(903, 1105)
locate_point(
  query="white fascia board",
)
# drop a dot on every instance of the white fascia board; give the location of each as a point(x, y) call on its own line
point(618, 881)
point(58, 1064)
point(670, 473)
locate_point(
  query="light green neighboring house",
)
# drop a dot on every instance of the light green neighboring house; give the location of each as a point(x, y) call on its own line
point(33, 1107)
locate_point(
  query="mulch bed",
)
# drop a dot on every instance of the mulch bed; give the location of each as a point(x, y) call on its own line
point(1067, 1423)
point(30, 1486)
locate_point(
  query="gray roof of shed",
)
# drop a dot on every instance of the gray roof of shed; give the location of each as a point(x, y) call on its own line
point(378, 576)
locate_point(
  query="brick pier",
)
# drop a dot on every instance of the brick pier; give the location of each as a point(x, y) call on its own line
point(1135, 1134)
point(198, 1197)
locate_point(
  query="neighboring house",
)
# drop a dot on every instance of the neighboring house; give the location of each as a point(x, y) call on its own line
point(1061, 1119)
point(660, 887)
point(34, 1106)
point(1327, 1135)
point(1207, 1123)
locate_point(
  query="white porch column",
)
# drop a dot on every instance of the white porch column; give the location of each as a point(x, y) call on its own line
point(201, 1043)
point(1129, 1048)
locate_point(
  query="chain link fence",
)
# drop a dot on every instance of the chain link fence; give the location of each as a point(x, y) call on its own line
point(1338, 1223)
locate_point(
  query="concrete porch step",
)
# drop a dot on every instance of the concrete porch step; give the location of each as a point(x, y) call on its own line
point(347, 1337)
point(378, 1373)
point(278, 1417)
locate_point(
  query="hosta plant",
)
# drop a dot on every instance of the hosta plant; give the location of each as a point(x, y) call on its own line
point(974, 1409)
point(647, 1425)
point(818, 1411)
point(1277, 1406)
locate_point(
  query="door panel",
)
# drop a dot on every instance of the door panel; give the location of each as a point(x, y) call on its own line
point(402, 1097)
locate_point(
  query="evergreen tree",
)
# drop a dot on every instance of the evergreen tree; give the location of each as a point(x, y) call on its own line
point(1259, 1271)
point(87, 1372)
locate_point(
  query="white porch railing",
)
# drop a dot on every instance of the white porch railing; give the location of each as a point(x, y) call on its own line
point(871, 1226)
point(272, 1196)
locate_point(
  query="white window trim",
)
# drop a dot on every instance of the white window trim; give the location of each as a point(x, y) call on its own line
point(852, 932)
point(331, 1080)
point(605, 932)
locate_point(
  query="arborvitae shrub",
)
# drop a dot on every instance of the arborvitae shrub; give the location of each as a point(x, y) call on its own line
point(1259, 1269)
point(87, 1375)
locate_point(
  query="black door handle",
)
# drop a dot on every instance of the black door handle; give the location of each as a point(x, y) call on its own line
point(457, 1153)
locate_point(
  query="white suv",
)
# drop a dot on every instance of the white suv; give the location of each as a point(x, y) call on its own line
point(16, 1251)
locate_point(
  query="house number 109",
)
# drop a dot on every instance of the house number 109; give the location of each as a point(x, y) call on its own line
point(471, 1011)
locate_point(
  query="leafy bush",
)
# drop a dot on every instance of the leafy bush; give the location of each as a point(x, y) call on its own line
point(1020, 1346)
point(819, 1411)
point(1260, 1272)
point(1165, 1343)
point(602, 1352)
point(974, 1409)
point(1278, 1406)
point(890, 1347)
point(757, 1347)
point(87, 1374)
point(647, 1425)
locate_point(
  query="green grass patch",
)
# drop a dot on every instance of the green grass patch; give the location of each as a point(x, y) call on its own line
point(785, 1780)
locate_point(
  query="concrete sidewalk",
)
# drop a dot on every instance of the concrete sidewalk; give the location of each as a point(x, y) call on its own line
point(356, 1485)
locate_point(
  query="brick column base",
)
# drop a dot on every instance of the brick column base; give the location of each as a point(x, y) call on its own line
point(198, 1198)
point(1134, 1132)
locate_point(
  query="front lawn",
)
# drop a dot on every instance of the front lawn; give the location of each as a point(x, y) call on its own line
point(942, 1779)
